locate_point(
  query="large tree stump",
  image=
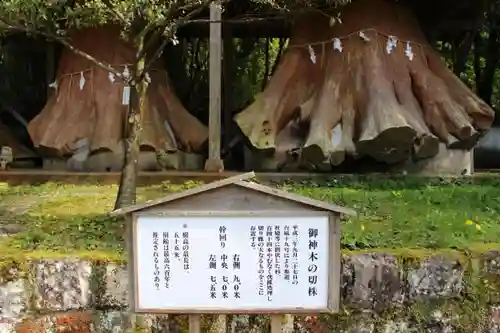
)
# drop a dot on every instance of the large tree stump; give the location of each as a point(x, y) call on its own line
point(363, 95)
point(84, 119)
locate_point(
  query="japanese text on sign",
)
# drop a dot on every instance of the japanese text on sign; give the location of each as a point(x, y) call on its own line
point(265, 263)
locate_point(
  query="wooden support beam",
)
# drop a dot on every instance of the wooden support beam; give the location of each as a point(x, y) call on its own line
point(194, 324)
point(228, 84)
point(214, 162)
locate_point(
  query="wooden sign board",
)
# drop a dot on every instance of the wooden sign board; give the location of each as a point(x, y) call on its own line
point(232, 262)
point(234, 247)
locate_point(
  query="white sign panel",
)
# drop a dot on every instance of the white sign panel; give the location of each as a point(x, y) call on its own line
point(229, 263)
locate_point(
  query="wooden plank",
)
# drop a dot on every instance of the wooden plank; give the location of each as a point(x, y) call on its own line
point(276, 323)
point(224, 312)
point(228, 82)
point(214, 162)
point(130, 247)
point(294, 210)
point(334, 269)
point(194, 324)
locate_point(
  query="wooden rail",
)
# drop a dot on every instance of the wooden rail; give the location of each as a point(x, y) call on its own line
point(38, 176)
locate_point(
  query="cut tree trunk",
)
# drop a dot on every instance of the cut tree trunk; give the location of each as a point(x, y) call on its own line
point(362, 97)
point(86, 122)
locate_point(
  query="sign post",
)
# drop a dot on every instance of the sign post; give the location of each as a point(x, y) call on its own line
point(194, 323)
point(234, 247)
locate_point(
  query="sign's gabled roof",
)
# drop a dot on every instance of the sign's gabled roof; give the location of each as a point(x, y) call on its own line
point(239, 180)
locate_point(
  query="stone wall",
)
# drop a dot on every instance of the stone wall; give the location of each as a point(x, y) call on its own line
point(381, 292)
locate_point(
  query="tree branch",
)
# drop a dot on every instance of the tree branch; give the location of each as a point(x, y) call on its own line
point(171, 28)
point(164, 24)
point(115, 12)
point(66, 43)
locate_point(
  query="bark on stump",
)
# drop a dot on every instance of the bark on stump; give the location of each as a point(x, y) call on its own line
point(84, 119)
point(361, 96)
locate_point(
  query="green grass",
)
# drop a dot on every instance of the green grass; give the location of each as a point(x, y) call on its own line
point(393, 213)
point(422, 213)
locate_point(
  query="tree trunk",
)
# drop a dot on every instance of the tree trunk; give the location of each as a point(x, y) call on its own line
point(83, 120)
point(127, 191)
point(362, 96)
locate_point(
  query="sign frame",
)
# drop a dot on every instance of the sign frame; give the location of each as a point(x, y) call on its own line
point(334, 261)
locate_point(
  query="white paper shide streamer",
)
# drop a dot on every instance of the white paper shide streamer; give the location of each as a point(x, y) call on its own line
point(391, 47)
point(312, 55)
point(363, 36)
point(112, 78)
point(392, 43)
point(408, 51)
point(82, 81)
point(337, 44)
point(126, 72)
point(53, 85)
